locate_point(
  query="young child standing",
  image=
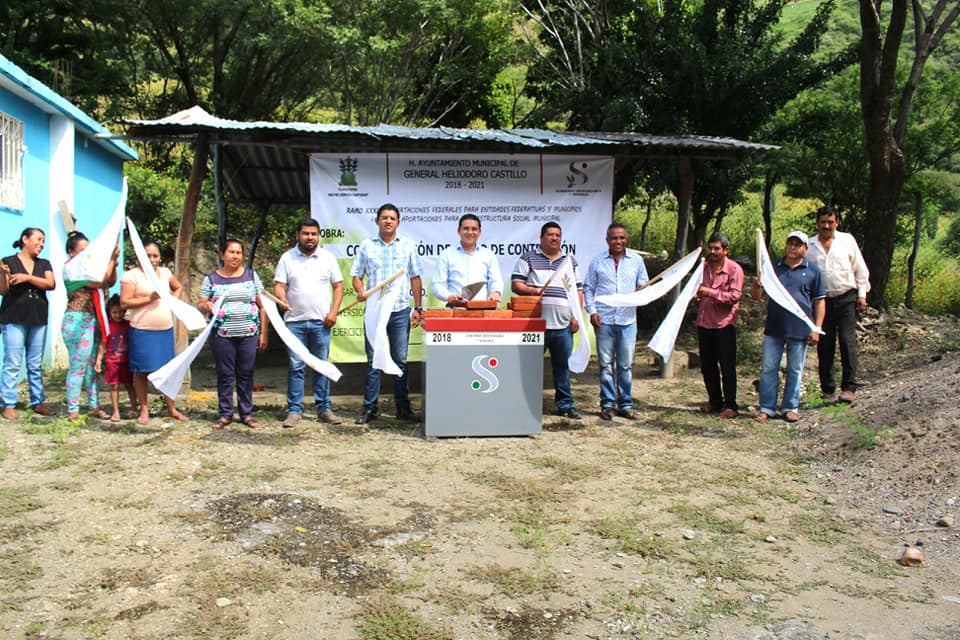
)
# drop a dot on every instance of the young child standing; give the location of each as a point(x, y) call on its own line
point(113, 359)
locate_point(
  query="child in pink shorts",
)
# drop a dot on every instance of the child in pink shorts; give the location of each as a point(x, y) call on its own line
point(113, 359)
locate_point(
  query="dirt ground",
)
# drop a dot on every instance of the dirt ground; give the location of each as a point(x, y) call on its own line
point(678, 525)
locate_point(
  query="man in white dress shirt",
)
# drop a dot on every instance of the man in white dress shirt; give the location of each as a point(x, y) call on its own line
point(847, 280)
point(467, 263)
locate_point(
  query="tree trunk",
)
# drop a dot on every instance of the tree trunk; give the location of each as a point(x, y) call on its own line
point(683, 207)
point(883, 201)
point(912, 261)
point(183, 255)
point(257, 235)
point(187, 222)
point(769, 182)
point(219, 190)
point(646, 223)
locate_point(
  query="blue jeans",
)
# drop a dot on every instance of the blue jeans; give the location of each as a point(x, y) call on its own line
point(773, 349)
point(17, 339)
point(615, 347)
point(398, 334)
point(559, 342)
point(316, 338)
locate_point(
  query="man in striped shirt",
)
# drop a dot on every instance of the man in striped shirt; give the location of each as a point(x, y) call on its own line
point(532, 277)
point(615, 271)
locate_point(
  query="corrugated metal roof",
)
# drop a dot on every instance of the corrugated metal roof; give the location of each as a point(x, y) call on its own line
point(267, 162)
point(35, 92)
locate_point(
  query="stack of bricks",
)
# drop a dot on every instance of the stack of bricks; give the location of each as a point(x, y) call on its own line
point(525, 306)
point(473, 309)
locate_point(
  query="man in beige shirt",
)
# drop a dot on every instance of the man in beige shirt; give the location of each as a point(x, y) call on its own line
point(847, 281)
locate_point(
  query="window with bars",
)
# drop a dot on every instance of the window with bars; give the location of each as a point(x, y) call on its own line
point(11, 162)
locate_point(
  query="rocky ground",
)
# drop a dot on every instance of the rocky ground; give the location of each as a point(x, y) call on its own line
point(677, 525)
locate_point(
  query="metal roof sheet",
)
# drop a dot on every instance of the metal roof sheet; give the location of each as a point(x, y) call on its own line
point(267, 162)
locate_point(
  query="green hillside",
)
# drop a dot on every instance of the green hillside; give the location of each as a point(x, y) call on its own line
point(845, 29)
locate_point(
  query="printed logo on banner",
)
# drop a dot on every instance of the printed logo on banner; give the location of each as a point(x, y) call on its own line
point(577, 174)
point(492, 381)
point(577, 179)
point(348, 172)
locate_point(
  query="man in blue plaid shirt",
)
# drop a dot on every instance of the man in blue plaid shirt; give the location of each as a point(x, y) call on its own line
point(616, 271)
point(379, 258)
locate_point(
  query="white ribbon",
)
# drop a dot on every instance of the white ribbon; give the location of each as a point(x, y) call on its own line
point(565, 277)
point(666, 336)
point(376, 315)
point(293, 343)
point(91, 263)
point(775, 289)
point(189, 315)
point(670, 278)
point(168, 379)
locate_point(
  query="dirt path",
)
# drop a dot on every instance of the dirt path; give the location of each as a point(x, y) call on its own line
point(679, 525)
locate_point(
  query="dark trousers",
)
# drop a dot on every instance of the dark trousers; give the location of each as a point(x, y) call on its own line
point(839, 322)
point(234, 358)
point(718, 364)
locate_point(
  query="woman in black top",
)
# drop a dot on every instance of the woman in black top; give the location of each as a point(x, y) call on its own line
point(25, 279)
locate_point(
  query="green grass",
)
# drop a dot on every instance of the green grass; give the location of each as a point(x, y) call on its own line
point(387, 619)
point(568, 471)
point(631, 537)
point(517, 583)
point(59, 430)
point(818, 529)
point(865, 436)
point(705, 518)
point(534, 528)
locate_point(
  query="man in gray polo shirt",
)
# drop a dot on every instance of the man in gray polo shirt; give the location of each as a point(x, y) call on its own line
point(303, 281)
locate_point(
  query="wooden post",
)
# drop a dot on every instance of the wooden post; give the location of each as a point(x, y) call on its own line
point(185, 236)
point(69, 221)
point(683, 227)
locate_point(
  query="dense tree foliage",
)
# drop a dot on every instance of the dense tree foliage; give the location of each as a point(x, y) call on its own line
point(717, 67)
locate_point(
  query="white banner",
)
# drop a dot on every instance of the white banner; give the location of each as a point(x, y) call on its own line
point(513, 195)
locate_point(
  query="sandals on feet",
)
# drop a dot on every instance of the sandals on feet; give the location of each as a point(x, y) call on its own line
point(143, 418)
point(115, 417)
point(221, 423)
point(97, 412)
point(250, 422)
point(179, 417)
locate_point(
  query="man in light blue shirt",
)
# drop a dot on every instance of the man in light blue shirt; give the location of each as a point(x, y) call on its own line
point(465, 264)
point(378, 259)
point(616, 271)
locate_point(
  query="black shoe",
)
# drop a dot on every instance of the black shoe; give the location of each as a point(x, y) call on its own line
point(409, 415)
point(606, 413)
point(570, 413)
point(367, 415)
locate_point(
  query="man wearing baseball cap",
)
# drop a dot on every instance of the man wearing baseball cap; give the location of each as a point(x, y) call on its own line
point(784, 331)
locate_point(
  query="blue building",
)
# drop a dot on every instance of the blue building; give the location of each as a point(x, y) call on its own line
point(50, 153)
